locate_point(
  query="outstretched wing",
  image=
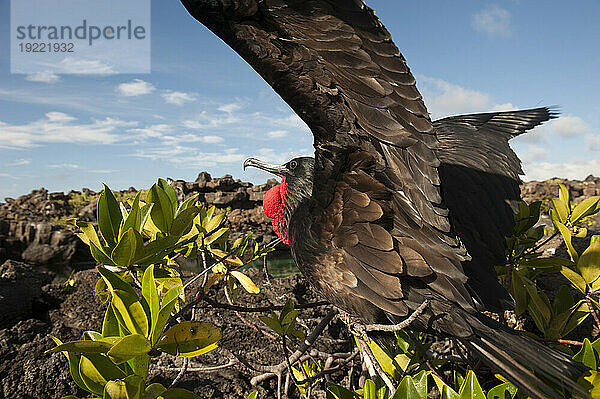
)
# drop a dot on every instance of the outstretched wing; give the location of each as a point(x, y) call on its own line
point(335, 64)
point(479, 176)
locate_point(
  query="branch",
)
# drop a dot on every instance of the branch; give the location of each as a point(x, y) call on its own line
point(260, 309)
point(272, 371)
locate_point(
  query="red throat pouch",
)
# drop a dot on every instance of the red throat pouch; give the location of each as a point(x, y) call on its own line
point(274, 207)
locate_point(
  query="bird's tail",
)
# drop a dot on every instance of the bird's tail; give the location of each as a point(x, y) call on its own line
point(533, 367)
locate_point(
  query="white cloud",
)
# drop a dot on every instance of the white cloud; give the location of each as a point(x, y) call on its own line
point(178, 97)
point(137, 87)
point(212, 139)
point(64, 166)
point(568, 126)
point(277, 134)
point(592, 142)
point(444, 98)
point(186, 157)
point(534, 153)
point(229, 108)
point(494, 21)
point(576, 169)
point(59, 117)
point(44, 77)
point(84, 66)
point(58, 127)
point(504, 107)
point(21, 162)
point(273, 156)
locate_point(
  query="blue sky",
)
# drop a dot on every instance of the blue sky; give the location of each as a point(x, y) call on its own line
point(203, 108)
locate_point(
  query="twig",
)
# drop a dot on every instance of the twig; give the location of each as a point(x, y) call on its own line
point(243, 319)
point(260, 309)
point(561, 341)
point(206, 369)
point(364, 347)
point(400, 326)
point(271, 371)
point(186, 362)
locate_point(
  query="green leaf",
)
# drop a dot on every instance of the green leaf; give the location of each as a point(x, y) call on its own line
point(125, 251)
point(128, 388)
point(586, 355)
point(73, 360)
point(540, 305)
point(189, 338)
point(215, 222)
point(162, 210)
point(420, 381)
point(168, 303)
point(96, 370)
point(575, 278)
point(89, 233)
point(100, 255)
point(183, 221)
point(369, 391)
point(273, 322)
point(470, 388)
point(215, 236)
point(109, 216)
point(384, 360)
point(153, 391)
point(408, 390)
point(114, 281)
point(337, 392)
point(561, 211)
point(589, 261)
point(171, 193)
point(253, 395)
point(519, 292)
point(579, 313)
point(110, 325)
point(566, 234)
point(134, 219)
point(150, 294)
point(140, 365)
point(130, 313)
point(156, 250)
point(85, 346)
point(585, 208)
point(563, 196)
point(128, 347)
point(502, 391)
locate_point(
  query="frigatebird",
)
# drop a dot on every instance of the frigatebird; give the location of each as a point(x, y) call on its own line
point(394, 210)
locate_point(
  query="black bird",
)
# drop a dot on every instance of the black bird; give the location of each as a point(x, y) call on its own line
point(394, 209)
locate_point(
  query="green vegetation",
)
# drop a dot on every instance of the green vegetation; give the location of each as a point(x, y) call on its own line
point(137, 244)
point(137, 247)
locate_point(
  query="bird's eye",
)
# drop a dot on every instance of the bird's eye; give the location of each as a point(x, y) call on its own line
point(293, 164)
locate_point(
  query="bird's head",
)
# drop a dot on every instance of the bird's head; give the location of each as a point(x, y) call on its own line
point(281, 201)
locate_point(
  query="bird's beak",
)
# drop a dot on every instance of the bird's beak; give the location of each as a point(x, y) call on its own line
point(279, 170)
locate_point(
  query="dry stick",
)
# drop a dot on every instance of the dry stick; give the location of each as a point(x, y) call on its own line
point(260, 309)
point(205, 369)
point(271, 371)
point(561, 341)
point(186, 362)
point(364, 347)
point(400, 326)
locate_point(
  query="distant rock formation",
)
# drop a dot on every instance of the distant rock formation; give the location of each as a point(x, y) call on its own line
point(32, 227)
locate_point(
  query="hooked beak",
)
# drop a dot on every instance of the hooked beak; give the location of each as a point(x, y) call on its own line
point(279, 170)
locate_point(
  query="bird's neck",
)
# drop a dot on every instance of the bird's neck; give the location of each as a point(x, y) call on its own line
point(281, 201)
